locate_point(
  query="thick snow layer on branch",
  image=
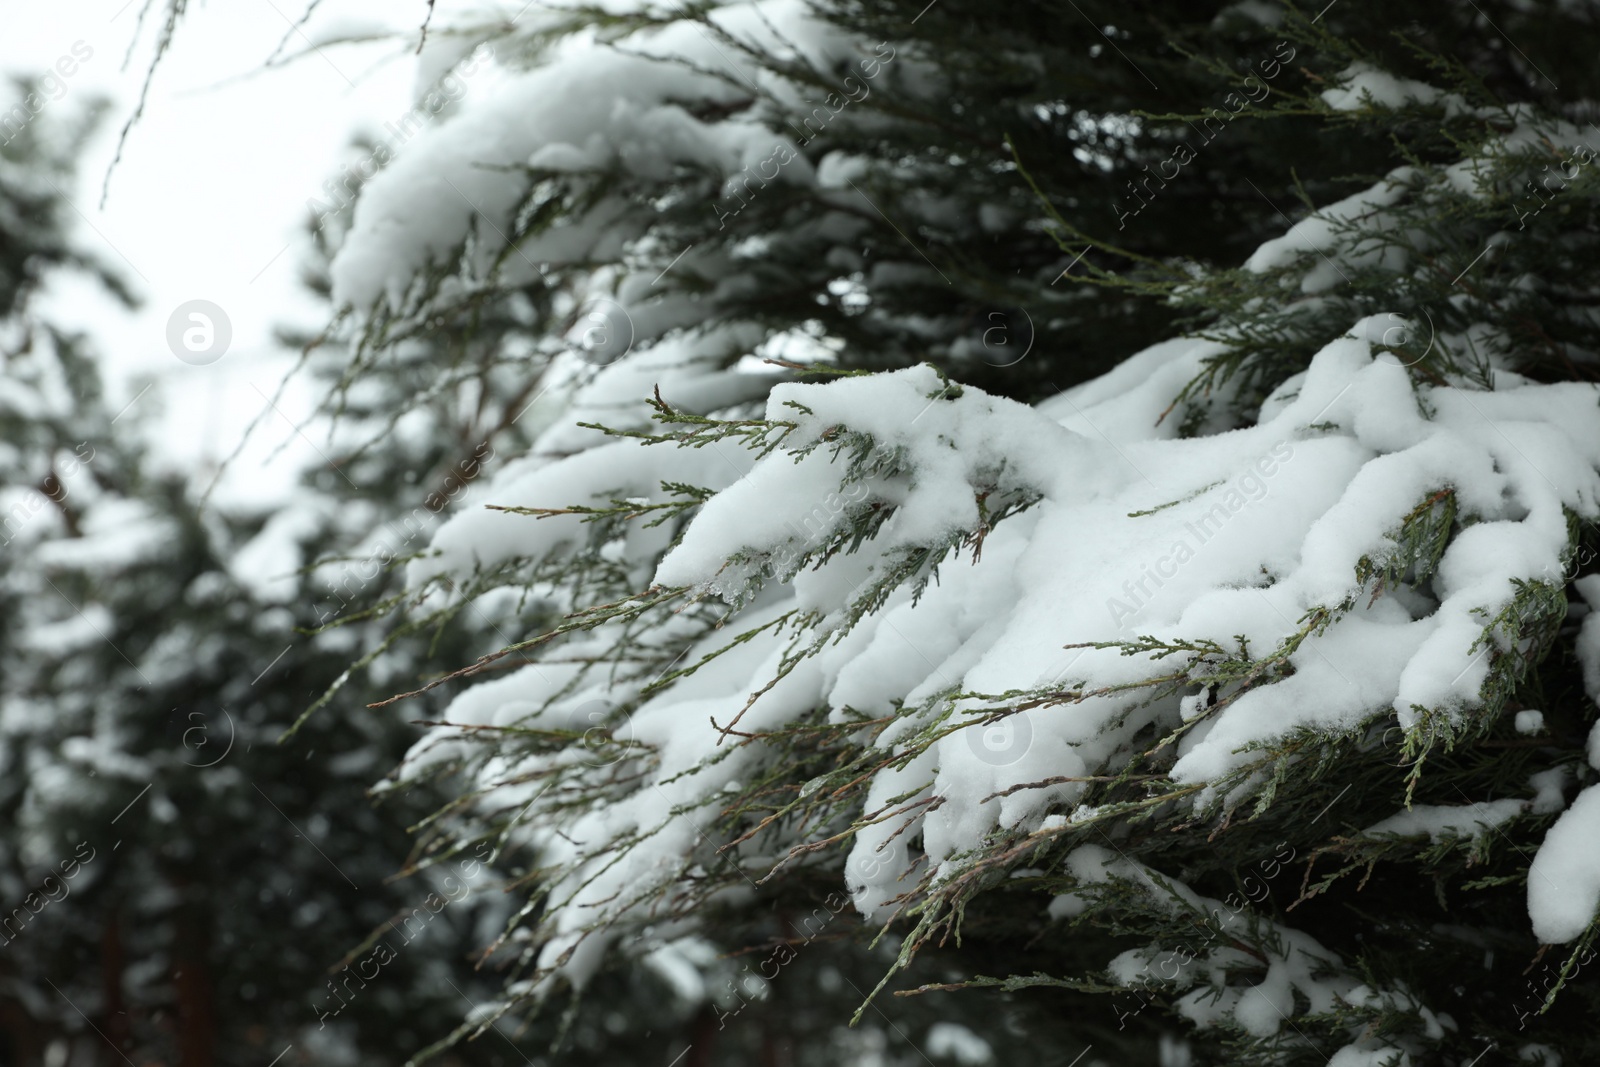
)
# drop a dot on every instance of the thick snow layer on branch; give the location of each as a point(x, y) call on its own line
point(1295, 965)
point(974, 439)
point(1564, 880)
point(588, 106)
point(1241, 533)
point(1318, 234)
point(1442, 821)
point(1255, 533)
point(1361, 84)
point(621, 470)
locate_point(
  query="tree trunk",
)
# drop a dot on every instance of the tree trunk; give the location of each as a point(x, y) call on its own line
point(191, 977)
point(113, 960)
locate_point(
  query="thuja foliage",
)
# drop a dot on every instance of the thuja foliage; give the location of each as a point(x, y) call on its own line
point(1280, 187)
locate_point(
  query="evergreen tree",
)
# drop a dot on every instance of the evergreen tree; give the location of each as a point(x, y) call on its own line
point(1102, 672)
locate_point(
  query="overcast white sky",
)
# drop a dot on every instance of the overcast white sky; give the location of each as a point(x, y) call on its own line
point(209, 200)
